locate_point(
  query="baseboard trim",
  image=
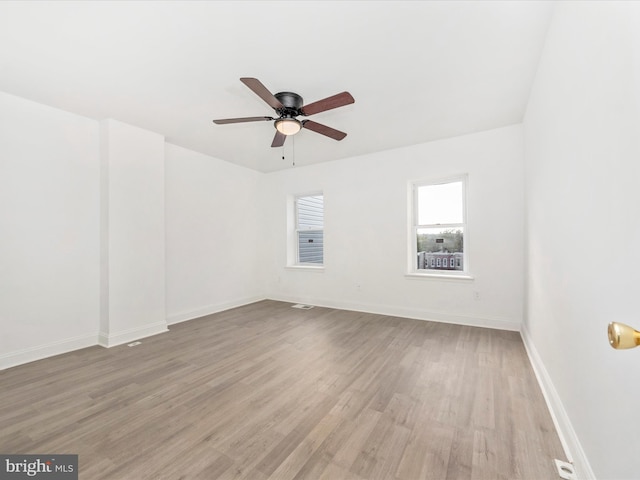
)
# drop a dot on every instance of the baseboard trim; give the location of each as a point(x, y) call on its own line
point(568, 437)
point(210, 309)
point(416, 314)
point(126, 336)
point(39, 352)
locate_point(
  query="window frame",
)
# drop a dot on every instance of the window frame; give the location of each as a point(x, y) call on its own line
point(414, 226)
point(294, 245)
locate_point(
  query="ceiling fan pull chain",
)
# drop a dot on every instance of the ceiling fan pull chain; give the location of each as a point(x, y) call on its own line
point(293, 151)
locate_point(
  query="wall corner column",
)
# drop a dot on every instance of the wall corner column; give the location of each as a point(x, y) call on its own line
point(132, 234)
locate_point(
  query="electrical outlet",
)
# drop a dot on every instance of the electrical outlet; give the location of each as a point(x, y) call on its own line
point(565, 470)
point(476, 296)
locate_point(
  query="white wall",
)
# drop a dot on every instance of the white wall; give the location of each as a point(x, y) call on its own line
point(49, 231)
point(87, 242)
point(366, 215)
point(133, 235)
point(213, 236)
point(582, 143)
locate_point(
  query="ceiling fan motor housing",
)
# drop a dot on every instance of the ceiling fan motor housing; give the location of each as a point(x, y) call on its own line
point(292, 103)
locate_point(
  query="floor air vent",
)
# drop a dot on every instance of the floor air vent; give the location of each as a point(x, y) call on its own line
point(302, 307)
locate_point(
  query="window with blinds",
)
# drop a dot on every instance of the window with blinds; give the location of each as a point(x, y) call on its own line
point(310, 229)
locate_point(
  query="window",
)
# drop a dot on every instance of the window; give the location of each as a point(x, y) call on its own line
point(309, 227)
point(439, 226)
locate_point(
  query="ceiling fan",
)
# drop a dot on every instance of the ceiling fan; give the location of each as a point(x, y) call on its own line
point(288, 106)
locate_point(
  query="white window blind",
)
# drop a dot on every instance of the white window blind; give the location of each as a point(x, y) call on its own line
point(310, 229)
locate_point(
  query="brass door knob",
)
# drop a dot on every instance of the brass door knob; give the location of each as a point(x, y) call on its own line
point(622, 336)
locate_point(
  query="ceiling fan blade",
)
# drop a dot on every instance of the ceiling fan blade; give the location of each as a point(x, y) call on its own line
point(279, 139)
point(323, 129)
point(328, 103)
point(241, 120)
point(262, 91)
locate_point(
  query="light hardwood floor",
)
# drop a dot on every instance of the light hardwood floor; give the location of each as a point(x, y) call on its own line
point(267, 391)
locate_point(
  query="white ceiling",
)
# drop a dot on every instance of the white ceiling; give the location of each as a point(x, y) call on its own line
point(418, 71)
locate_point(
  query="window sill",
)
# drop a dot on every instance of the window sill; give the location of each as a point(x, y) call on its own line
point(440, 276)
point(311, 268)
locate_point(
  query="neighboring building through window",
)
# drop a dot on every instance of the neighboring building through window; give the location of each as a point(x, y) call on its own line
point(439, 226)
point(309, 215)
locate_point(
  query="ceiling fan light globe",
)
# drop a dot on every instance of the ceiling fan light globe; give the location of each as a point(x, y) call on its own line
point(288, 126)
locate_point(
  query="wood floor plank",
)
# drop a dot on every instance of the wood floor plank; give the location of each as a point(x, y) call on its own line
point(291, 465)
point(265, 391)
point(427, 452)
point(359, 432)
